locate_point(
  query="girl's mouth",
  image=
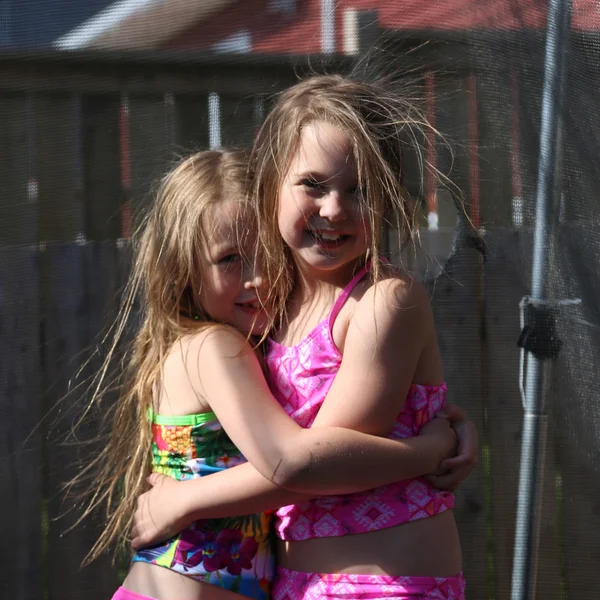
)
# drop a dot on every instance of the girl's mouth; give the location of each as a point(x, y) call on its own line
point(328, 239)
point(251, 307)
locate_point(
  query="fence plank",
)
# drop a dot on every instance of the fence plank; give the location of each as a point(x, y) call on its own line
point(452, 154)
point(17, 212)
point(20, 435)
point(102, 282)
point(573, 409)
point(457, 307)
point(528, 83)
point(68, 340)
point(102, 166)
point(151, 131)
point(503, 293)
point(581, 514)
point(57, 141)
point(191, 122)
point(239, 120)
point(495, 115)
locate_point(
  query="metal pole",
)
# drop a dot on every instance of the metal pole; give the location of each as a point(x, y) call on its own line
point(538, 367)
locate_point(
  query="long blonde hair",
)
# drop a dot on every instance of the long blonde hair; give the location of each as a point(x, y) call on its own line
point(165, 283)
point(381, 125)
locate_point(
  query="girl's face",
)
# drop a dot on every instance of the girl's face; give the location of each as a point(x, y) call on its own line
point(231, 280)
point(320, 215)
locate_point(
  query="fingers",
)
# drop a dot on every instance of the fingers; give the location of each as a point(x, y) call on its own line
point(456, 462)
point(468, 442)
point(155, 478)
point(447, 482)
point(454, 412)
point(465, 459)
point(138, 542)
point(137, 529)
point(136, 537)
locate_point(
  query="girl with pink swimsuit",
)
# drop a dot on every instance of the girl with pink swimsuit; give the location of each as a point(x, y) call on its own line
point(355, 348)
point(194, 400)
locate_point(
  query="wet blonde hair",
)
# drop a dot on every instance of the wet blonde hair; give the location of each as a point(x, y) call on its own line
point(380, 125)
point(165, 283)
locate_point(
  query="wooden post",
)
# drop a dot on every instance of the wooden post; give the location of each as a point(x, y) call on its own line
point(368, 29)
point(152, 136)
point(21, 570)
point(102, 166)
point(238, 121)
point(58, 145)
point(191, 122)
point(456, 300)
point(573, 410)
point(461, 331)
point(70, 334)
point(17, 198)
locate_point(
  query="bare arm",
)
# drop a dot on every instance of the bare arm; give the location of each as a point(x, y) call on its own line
point(390, 340)
point(172, 505)
point(229, 377)
point(329, 460)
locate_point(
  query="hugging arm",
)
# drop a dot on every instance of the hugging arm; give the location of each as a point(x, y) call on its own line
point(229, 377)
point(391, 333)
point(327, 460)
point(171, 505)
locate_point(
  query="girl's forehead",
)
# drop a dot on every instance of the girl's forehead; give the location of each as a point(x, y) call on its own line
point(226, 219)
point(323, 144)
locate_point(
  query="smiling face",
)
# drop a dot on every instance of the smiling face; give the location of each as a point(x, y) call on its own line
point(231, 281)
point(320, 212)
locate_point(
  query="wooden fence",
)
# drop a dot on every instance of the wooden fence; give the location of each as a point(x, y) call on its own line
point(82, 138)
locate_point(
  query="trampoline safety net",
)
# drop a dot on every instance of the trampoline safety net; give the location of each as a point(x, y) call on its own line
point(98, 97)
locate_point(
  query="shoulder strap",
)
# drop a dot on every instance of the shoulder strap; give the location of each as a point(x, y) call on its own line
point(341, 300)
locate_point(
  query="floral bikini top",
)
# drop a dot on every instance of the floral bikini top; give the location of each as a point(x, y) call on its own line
point(234, 553)
point(300, 377)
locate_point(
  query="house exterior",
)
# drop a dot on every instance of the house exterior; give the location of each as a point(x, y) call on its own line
point(37, 23)
point(297, 26)
point(322, 26)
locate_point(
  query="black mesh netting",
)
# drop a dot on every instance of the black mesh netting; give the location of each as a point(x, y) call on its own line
point(94, 103)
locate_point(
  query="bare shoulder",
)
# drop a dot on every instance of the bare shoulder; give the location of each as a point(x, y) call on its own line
point(393, 322)
point(391, 312)
point(202, 350)
point(209, 354)
point(397, 295)
point(188, 365)
point(217, 338)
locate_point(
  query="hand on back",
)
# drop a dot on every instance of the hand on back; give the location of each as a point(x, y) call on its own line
point(157, 516)
point(440, 430)
point(456, 468)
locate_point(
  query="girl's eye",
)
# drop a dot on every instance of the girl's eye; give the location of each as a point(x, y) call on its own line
point(229, 259)
point(312, 184)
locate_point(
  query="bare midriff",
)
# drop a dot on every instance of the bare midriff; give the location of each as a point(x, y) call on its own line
point(423, 548)
point(159, 582)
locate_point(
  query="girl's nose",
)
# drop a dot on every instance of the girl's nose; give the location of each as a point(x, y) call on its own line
point(332, 207)
point(253, 276)
point(255, 282)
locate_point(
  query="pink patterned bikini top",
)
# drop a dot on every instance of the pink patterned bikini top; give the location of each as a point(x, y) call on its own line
point(300, 377)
